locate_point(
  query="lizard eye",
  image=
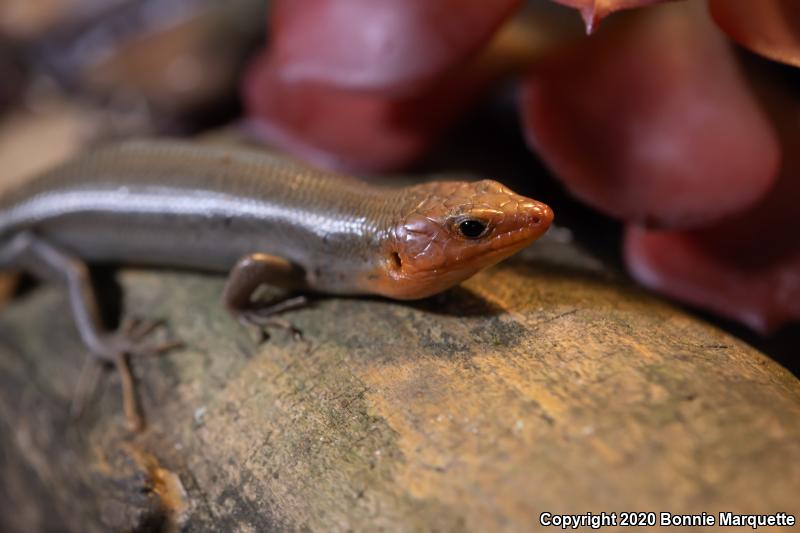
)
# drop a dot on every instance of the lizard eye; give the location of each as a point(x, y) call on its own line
point(472, 229)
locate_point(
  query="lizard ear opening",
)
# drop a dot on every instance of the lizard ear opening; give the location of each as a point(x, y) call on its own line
point(397, 262)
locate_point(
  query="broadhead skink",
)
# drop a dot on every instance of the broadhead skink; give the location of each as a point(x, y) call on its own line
point(263, 218)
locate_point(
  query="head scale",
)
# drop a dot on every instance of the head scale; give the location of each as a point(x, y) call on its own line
point(454, 229)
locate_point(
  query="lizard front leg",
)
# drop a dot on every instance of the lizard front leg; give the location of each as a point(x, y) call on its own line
point(254, 270)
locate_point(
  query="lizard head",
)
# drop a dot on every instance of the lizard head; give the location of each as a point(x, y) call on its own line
point(451, 230)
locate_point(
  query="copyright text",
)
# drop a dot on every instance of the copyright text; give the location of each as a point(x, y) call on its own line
point(664, 519)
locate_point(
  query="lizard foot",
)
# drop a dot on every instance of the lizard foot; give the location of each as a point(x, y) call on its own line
point(117, 348)
point(264, 316)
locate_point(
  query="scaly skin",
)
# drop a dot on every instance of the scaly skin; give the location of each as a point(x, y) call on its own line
point(433, 255)
point(265, 219)
point(180, 204)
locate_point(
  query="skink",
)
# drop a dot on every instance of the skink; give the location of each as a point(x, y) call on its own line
point(263, 218)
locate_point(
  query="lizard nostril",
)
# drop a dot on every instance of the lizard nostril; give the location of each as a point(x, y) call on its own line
point(539, 214)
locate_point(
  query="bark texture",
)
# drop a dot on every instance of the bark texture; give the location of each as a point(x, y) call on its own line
point(544, 384)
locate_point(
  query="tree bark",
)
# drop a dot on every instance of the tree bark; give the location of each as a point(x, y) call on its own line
point(544, 384)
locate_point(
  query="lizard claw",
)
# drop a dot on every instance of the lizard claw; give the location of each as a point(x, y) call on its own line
point(263, 322)
point(265, 316)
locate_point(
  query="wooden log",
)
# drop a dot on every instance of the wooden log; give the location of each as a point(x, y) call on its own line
point(544, 384)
